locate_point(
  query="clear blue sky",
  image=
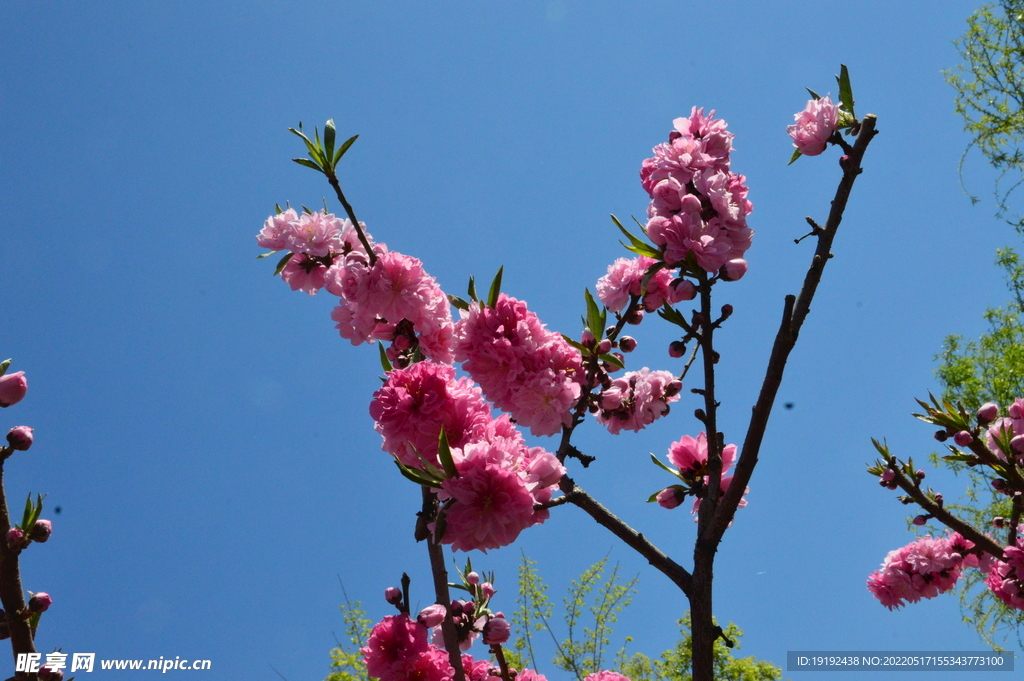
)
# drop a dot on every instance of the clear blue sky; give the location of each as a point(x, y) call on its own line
point(205, 430)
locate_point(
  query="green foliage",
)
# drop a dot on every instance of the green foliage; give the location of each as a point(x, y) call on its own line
point(990, 93)
point(346, 660)
point(604, 597)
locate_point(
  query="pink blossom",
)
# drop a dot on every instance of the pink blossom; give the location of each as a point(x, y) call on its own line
point(1003, 427)
point(13, 388)
point(530, 675)
point(314, 234)
point(606, 676)
point(432, 615)
point(395, 642)
point(814, 125)
point(923, 568)
point(496, 631)
point(303, 273)
point(277, 230)
point(526, 370)
point(625, 279)
point(636, 399)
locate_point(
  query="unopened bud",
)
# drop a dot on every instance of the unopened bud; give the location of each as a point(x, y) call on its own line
point(676, 349)
point(999, 522)
point(999, 484)
point(40, 602)
point(20, 438)
point(15, 538)
point(938, 499)
point(12, 388)
point(888, 474)
point(393, 595)
point(920, 474)
point(941, 435)
point(487, 589)
point(41, 531)
point(473, 578)
point(496, 631)
point(627, 344)
point(604, 347)
point(963, 438)
point(726, 310)
point(733, 270)
point(988, 413)
point(635, 317)
point(50, 674)
point(685, 289)
point(700, 415)
point(920, 520)
point(1017, 444)
point(668, 498)
point(588, 337)
point(459, 607)
point(431, 616)
point(673, 388)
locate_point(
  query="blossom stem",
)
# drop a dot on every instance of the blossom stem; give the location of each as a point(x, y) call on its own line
point(442, 595)
point(12, 595)
point(499, 655)
point(333, 180)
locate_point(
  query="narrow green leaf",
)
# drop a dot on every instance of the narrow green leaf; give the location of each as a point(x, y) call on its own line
point(845, 91)
point(661, 465)
point(258, 257)
point(593, 315)
point(4, 365)
point(643, 249)
point(459, 303)
point(673, 316)
point(329, 134)
point(444, 453)
point(813, 93)
point(612, 359)
point(309, 164)
point(472, 290)
point(282, 262)
point(576, 344)
point(344, 147)
point(492, 295)
point(416, 476)
point(26, 517)
point(385, 363)
point(794, 157)
point(636, 245)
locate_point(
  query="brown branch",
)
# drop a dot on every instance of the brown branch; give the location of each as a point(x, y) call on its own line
point(12, 595)
point(442, 596)
point(333, 180)
point(796, 311)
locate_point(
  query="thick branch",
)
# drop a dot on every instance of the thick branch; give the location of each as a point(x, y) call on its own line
point(12, 595)
point(442, 597)
point(671, 569)
point(795, 313)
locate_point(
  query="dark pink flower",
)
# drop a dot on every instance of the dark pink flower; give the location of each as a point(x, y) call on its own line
point(20, 438)
point(395, 642)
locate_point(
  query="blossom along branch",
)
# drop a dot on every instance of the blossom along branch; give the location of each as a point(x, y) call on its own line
point(18, 619)
point(796, 310)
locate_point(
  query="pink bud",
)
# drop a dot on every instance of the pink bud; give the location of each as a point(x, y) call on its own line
point(667, 498)
point(733, 270)
point(12, 388)
point(1017, 444)
point(1015, 411)
point(50, 674)
point(487, 589)
point(41, 531)
point(963, 438)
point(431, 616)
point(999, 484)
point(627, 344)
point(15, 538)
point(685, 289)
point(473, 578)
point(496, 631)
point(588, 338)
point(20, 438)
point(635, 317)
point(401, 343)
point(673, 388)
point(40, 602)
point(605, 346)
point(920, 474)
point(676, 349)
point(888, 475)
point(393, 595)
point(941, 435)
point(988, 413)
point(920, 520)
point(999, 522)
point(459, 607)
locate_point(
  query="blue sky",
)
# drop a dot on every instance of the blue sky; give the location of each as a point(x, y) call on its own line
point(204, 429)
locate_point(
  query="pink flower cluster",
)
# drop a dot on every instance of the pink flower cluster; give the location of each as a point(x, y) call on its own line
point(814, 125)
point(690, 456)
point(625, 279)
point(499, 479)
point(1005, 578)
point(1010, 429)
point(392, 300)
point(924, 568)
point(698, 206)
point(526, 370)
point(636, 399)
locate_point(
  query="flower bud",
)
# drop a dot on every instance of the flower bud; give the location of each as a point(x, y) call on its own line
point(685, 289)
point(20, 438)
point(726, 310)
point(941, 435)
point(627, 344)
point(635, 317)
point(458, 607)
point(588, 337)
point(393, 595)
point(1015, 411)
point(496, 631)
point(431, 616)
point(888, 475)
point(938, 499)
point(473, 578)
point(676, 349)
point(487, 589)
point(920, 474)
point(50, 674)
point(999, 484)
point(963, 438)
point(1017, 444)
point(667, 498)
point(40, 602)
point(733, 270)
point(604, 347)
point(12, 388)
point(920, 520)
point(988, 413)
point(41, 531)
point(15, 538)
point(999, 522)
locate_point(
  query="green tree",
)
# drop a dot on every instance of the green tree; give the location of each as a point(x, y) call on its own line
point(346, 660)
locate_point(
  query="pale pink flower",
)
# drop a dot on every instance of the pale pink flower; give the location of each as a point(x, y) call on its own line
point(277, 230)
point(606, 676)
point(814, 125)
point(923, 568)
point(314, 234)
point(303, 273)
point(636, 399)
point(625, 279)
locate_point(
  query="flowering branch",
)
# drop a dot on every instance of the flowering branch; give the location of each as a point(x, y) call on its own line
point(441, 593)
point(11, 592)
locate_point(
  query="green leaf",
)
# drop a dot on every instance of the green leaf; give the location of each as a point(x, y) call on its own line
point(661, 465)
point(36, 512)
point(472, 290)
point(492, 295)
point(329, 134)
point(794, 157)
point(636, 245)
point(4, 365)
point(595, 315)
point(309, 164)
point(576, 344)
point(258, 257)
point(416, 476)
point(813, 93)
point(845, 91)
point(344, 147)
point(384, 361)
point(459, 303)
point(282, 262)
point(612, 359)
point(277, 207)
point(444, 453)
point(673, 316)
point(26, 518)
